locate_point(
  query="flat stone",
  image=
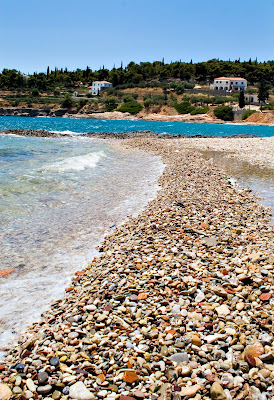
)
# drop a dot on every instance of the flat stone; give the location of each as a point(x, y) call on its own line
point(44, 389)
point(113, 388)
point(56, 395)
point(102, 394)
point(265, 296)
point(179, 357)
point(27, 394)
point(31, 385)
point(223, 310)
point(139, 395)
point(17, 390)
point(79, 391)
point(124, 397)
point(217, 392)
point(190, 391)
point(130, 377)
point(73, 335)
point(255, 350)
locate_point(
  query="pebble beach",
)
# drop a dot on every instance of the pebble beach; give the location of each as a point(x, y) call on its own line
point(179, 305)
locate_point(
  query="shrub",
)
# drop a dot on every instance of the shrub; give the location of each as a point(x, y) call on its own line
point(132, 107)
point(111, 104)
point(183, 108)
point(35, 92)
point(199, 110)
point(148, 102)
point(67, 102)
point(82, 103)
point(247, 113)
point(128, 98)
point(224, 112)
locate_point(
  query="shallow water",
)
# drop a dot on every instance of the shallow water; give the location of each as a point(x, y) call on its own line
point(59, 196)
point(258, 179)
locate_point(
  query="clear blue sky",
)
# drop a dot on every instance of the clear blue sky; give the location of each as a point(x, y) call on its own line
point(36, 33)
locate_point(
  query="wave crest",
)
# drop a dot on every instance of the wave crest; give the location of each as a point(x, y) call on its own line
point(77, 163)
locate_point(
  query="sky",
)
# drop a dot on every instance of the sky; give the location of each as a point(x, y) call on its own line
point(35, 34)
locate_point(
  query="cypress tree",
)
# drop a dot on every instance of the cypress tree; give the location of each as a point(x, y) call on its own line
point(242, 99)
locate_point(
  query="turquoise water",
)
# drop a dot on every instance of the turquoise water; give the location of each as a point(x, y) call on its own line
point(58, 198)
point(99, 125)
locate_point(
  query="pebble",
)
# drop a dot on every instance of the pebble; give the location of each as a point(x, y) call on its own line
point(179, 358)
point(223, 310)
point(54, 361)
point(44, 389)
point(30, 384)
point(217, 392)
point(42, 377)
point(79, 391)
point(28, 394)
point(5, 392)
point(190, 391)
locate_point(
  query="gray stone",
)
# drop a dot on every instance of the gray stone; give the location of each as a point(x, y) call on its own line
point(44, 389)
point(179, 358)
point(42, 377)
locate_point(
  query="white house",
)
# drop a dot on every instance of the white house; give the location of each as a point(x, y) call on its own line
point(98, 86)
point(251, 99)
point(229, 84)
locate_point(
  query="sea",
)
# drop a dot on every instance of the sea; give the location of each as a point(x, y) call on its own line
point(60, 196)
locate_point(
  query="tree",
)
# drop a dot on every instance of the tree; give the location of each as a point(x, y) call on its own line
point(242, 99)
point(263, 93)
point(35, 92)
point(224, 112)
point(67, 102)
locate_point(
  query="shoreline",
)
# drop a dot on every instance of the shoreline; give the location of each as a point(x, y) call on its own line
point(117, 115)
point(188, 279)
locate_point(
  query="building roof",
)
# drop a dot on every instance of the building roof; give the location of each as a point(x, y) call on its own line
point(231, 78)
point(102, 82)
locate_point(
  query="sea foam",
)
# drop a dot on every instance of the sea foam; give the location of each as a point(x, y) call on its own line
point(77, 163)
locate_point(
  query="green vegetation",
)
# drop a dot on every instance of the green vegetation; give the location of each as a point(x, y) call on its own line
point(111, 104)
point(199, 110)
point(132, 107)
point(241, 99)
point(183, 108)
point(224, 112)
point(177, 76)
point(269, 106)
point(35, 92)
point(186, 108)
point(67, 102)
point(247, 113)
point(263, 91)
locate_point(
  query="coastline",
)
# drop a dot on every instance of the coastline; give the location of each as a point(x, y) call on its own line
point(117, 115)
point(177, 274)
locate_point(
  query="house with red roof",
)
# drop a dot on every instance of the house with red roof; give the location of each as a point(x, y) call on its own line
point(229, 84)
